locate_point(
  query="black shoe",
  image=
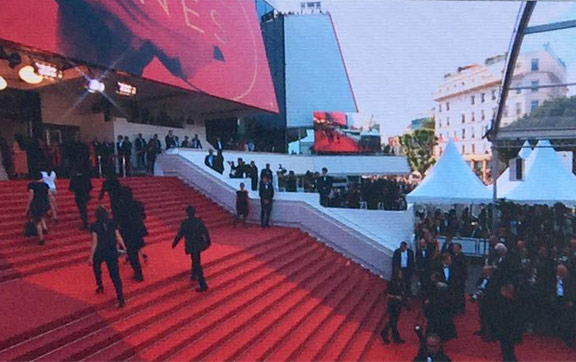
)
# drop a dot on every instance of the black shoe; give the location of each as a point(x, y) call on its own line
point(202, 289)
point(99, 290)
point(121, 304)
point(193, 278)
point(138, 278)
point(40, 242)
point(385, 340)
point(399, 341)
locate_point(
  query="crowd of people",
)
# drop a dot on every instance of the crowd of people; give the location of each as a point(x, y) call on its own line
point(121, 232)
point(527, 282)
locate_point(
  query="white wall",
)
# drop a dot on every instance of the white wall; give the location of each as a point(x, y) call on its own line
point(366, 236)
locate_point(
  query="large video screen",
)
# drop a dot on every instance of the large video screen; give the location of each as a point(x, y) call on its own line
point(209, 46)
point(340, 132)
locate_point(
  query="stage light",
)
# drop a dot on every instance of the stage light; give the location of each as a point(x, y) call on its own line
point(48, 70)
point(126, 89)
point(3, 83)
point(28, 75)
point(95, 86)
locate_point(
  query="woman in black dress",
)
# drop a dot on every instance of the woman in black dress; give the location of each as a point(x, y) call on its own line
point(105, 241)
point(396, 300)
point(38, 206)
point(241, 204)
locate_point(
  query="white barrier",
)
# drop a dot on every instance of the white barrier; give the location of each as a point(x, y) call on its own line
point(365, 236)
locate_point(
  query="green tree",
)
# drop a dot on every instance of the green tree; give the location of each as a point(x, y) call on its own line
point(556, 113)
point(418, 146)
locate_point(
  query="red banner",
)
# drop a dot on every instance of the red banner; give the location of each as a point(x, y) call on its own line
point(209, 46)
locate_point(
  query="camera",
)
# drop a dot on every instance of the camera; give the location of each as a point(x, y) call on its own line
point(474, 297)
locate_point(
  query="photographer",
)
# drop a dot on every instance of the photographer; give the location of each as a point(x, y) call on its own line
point(430, 348)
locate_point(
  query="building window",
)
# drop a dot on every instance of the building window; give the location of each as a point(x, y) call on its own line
point(518, 109)
point(473, 133)
point(454, 134)
point(473, 117)
point(440, 107)
point(447, 106)
point(505, 111)
point(482, 97)
point(463, 133)
point(494, 112)
point(463, 149)
point(518, 91)
point(447, 121)
point(534, 86)
point(473, 148)
point(439, 123)
point(472, 99)
point(463, 118)
point(494, 94)
point(534, 66)
point(482, 115)
point(534, 105)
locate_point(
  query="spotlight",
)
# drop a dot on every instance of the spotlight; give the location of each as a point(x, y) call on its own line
point(48, 70)
point(3, 83)
point(28, 75)
point(95, 86)
point(126, 89)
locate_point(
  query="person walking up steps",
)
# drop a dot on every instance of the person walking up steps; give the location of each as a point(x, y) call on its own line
point(197, 240)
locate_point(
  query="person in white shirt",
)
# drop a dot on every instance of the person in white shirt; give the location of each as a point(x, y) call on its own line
point(49, 178)
point(403, 260)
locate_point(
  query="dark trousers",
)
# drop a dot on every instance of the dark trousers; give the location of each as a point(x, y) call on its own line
point(407, 274)
point(565, 321)
point(485, 325)
point(151, 164)
point(121, 170)
point(141, 160)
point(460, 298)
point(254, 183)
point(112, 265)
point(196, 269)
point(134, 261)
point(265, 211)
point(324, 199)
point(83, 210)
point(393, 316)
point(507, 348)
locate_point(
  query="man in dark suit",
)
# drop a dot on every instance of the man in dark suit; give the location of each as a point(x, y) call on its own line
point(218, 144)
point(266, 198)
point(81, 186)
point(209, 159)
point(170, 140)
point(460, 266)
point(195, 142)
point(403, 260)
point(197, 240)
point(267, 172)
point(153, 150)
point(447, 245)
point(140, 146)
point(479, 297)
point(324, 186)
point(423, 263)
point(565, 308)
point(254, 175)
point(507, 321)
point(120, 153)
point(127, 152)
point(430, 348)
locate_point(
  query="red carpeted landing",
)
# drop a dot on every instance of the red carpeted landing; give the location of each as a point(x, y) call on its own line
point(275, 294)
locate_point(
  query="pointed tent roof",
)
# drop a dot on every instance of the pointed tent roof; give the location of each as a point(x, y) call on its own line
point(547, 180)
point(451, 181)
point(504, 183)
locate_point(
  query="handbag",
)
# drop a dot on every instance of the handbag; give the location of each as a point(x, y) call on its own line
point(29, 229)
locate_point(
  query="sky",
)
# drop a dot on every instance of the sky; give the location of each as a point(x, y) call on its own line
point(398, 51)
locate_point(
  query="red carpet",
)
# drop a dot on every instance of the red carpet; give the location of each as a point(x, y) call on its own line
point(275, 294)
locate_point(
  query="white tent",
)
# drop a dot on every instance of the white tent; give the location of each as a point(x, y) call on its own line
point(547, 181)
point(505, 185)
point(451, 181)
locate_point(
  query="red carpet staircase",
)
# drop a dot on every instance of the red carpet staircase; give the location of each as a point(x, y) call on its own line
point(275, 294)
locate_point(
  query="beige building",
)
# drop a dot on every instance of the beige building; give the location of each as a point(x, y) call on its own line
point(467, 100)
